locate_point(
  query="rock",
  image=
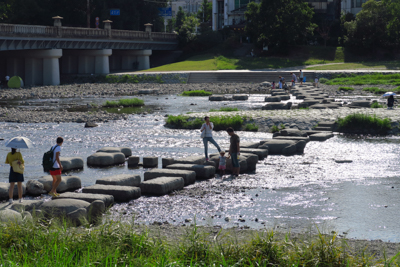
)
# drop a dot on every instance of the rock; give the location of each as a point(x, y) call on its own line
point(4, 190)
point(189, 177)
point(295, 138)
point(102, 159)
point(121, 179)
point(35, 188)
point(27, 205)
point(120, 193)
point(216, 98)
point(162, 185)
point(360, 103)
point(265, 84)
point(62, 207)
point(133, 161)
point(71, 163)
point(68, 183)
point(202, 172)
point(249, 144)
point(273, 106)
point(150, 162)
point(279, 147)
point(292, 132)
point(240, 97)
point(145, 92)
point(78, 216)
point(321, 136)
point(261, 153)
point(200, 160)
point(343, 161)
point(90, 125)
point(107, 199)
point(251, 159)
point(300, 145)
point(167, 161)
point(10, 216)
point(323, 106)
point(125, 150)
point(242, 163)
point(27, 216)
point(272, 99)
point(95, 211)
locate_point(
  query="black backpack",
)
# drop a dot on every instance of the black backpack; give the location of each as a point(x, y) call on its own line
point(48, 160)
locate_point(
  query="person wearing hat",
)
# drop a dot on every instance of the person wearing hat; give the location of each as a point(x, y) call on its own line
point(222, 163)
point(15, 177)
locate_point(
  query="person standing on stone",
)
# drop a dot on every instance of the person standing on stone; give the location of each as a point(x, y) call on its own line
point(15, 177)
point(57, 168)
point(234, 151)
point(316, 81)
point(280, 82)
point(206, 133)
point(301, 77)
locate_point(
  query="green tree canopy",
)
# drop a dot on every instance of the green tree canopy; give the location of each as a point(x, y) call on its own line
point(205, 11)
point(377, 25)
point(279, 22)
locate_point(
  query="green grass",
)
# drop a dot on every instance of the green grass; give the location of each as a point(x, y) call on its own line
point(53, 243)
point(368, 79)
point(376, 105)
point(344, 88)
point(196, 93)
point(323, 80)
point(372, 65)
point(359, 123)
point(275, 128)
point(251, 127)
point(220, 122)
point(225, 109)
point(375, 90)
point(127, 102)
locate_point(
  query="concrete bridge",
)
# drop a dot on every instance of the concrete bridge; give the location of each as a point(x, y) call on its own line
point(39, 54)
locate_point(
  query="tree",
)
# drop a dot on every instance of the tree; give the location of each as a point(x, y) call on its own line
point(180, 17)
point(205, 12)
point(187, 32)
point(279, 23)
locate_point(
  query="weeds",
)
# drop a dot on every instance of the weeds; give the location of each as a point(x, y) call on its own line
point(374, 90)
point(368, 79)
point(344, 88)
point(359, 123)
point(127, 102)
point(376, 105)
point(133, 78)
point(251, 127)
point(225, 109)
point(323, 80)
point(196, 93)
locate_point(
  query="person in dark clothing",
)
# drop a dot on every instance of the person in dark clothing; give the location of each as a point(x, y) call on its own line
point(234, 151)
point(390, 102)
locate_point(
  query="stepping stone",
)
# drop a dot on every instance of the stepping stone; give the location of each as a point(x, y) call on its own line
point(120, 193)
point(121, 179)
point(133, 161)
point(167, 161)
point(189, 177)
point(4, 190)
point(240, 97)
point(311, 132)
point(261, 153)
point(216, 98)
point(343, 161)
point(251, 159)
point(249, 144)
point(202, 172)
point(295, 138)
point(150, 162)
point(102, 159)
point(27, 205)
point(9, 215)
point(321, 136)
point(242, 162)
point(107, 199)
point(320, 128)
point(279, 146)
point(272, 99)
point(68, 183)
point(71, 163)
point(201, 160)
point(162, 185)
point(290, 132)
point(109, 149)
point(35, 188)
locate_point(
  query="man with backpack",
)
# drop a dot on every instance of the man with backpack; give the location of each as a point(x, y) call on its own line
point(56, 169)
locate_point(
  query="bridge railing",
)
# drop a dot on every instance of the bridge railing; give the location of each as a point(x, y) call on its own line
point(74, 32)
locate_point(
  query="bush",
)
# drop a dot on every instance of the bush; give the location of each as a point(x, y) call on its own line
point(323, 80)
point(374, 90)
point(368, 79)
point(376, 105)
point(127, 102)
point(220, 122)
point(274, 129)
point(196, 93)
point(251, 127)
point(226, 109)
point(359, 123)
point(343, 88)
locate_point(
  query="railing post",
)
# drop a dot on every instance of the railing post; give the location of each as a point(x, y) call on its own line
point(107, 27)
point(58, 25)
point(148, 29)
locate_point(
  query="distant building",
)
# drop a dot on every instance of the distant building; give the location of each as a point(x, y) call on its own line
point(352, 6)
point(230, 13)
point(188, 6)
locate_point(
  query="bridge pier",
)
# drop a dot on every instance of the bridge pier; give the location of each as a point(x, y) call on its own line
point(86, 61)
point(130, 59)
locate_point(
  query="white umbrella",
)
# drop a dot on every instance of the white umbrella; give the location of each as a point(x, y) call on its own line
point(19, 142)
point(389, 94)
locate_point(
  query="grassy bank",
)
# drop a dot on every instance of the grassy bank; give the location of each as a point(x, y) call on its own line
point(124, 244)
point(368, 79)
point(127, 102)
point(371, 65)
point(220, 122)
point(359, 123)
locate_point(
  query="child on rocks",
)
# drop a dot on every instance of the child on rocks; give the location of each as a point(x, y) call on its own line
point(222, 163)
point(273, 84)
point(316, 81)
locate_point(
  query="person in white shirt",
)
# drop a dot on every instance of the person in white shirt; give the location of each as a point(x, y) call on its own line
point(316, 81)
point(301, 77)
point(57, 168)
point(207, 128)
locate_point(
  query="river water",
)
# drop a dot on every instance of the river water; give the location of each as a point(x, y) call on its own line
point(359, 199)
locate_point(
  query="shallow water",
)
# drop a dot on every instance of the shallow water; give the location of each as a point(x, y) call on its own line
point(360, 198)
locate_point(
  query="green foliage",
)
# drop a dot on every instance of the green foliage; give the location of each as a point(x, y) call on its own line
point(196, 93)
point(282, 126)
point(225, 109)
point(205, 11)
point(375, 90)
point(376, 105)
point(187, 31)
point(127, 102)
point(344, 88)
point(323, 80)
point(367, 79)
point(220, 122)
point(267, 22)
point(359, 123)
point(251, 127)
point(180, 17)
point(274, 129)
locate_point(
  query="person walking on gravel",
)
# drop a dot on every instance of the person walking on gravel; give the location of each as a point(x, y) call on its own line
point(206, 134)
point(57, 168)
